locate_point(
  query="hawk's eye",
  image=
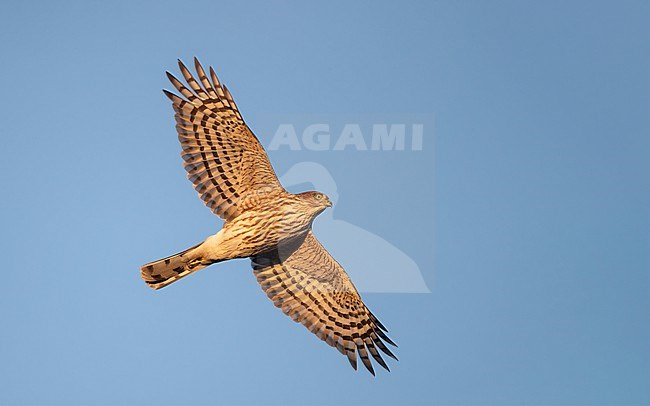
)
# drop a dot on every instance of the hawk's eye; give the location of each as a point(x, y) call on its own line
point(319, 196)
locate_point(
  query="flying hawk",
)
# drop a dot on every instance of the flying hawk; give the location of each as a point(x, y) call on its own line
point(233, 176)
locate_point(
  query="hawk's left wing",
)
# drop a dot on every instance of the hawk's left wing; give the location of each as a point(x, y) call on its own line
point(224, 160)
point(303, 280)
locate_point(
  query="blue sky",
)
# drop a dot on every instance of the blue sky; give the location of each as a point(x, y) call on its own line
point(526, 211)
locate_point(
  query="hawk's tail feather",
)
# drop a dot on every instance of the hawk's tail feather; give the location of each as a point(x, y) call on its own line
point(158, 274)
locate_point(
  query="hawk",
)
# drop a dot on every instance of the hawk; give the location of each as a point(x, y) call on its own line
point(233, 176)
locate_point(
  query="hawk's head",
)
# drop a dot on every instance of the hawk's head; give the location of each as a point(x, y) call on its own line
point(317, 200)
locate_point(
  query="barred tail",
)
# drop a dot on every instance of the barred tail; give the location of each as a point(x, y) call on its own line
point(161, 273)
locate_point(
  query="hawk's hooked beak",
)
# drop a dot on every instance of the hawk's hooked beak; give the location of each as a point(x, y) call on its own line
point(329, 203)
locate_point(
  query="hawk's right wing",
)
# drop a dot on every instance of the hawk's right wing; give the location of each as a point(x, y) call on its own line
point(303, 280)
point(223, 158)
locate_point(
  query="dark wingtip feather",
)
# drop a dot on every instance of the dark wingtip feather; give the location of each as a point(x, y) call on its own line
point(383, 348)
point(215, 78)
point(169, 94)
point(385, 337)
point(368, 365)
point(375, 354)
point(380, 361)
point(181, 65)
point(377, 322)
point(363, 354)
point(171, 77)
point(353, 362)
